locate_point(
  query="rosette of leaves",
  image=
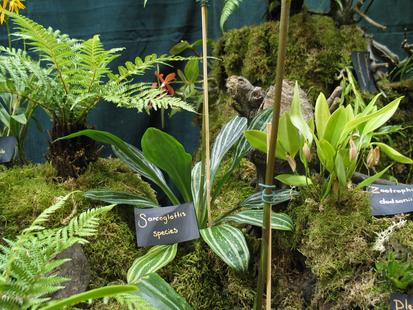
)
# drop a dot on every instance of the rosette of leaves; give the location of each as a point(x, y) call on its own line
point(28, 265)
point(343, 138)
point(161, 153)
point(67, 78)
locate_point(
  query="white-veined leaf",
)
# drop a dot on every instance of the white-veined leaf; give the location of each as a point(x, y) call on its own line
point(229, 244)
point(227, 137)
point(280, 196)
point(156, 258)
point(279, 221)
point(121, 198)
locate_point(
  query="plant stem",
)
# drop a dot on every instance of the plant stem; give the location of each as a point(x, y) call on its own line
point(264, 275)
point(205, 121)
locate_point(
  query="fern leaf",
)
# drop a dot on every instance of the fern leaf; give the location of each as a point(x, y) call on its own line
point(44, 216)
point(229, 7)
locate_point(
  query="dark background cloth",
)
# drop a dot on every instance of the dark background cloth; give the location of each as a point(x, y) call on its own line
point(142, 31)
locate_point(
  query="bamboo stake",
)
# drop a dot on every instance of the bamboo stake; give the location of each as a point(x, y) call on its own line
point(205, 119)
point(264, 275)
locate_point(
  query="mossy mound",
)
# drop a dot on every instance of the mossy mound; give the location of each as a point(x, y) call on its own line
point(316, 51)
point(337, 239)
point(27, 191)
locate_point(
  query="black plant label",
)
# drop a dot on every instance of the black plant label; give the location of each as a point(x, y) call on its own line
point(166, 225)
point(401, 302)
point(391, 199)
point(7, 148)
point(361, 64)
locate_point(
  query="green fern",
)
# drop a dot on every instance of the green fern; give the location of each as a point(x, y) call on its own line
point(229, 7)
point(69, 77)
point(27, 264)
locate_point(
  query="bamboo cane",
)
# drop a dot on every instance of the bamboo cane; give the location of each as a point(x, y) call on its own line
point(205, 120)
point(264, 275)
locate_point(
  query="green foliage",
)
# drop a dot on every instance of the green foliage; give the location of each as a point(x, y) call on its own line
point(27, 264)
point(71, 76)
point(341, 138)
point(398, 272)
point(227, 10)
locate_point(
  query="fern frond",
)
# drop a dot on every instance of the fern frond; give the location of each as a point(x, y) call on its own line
point(139, 66)
point(229, 7)
point(44, 216)
point(51, 46)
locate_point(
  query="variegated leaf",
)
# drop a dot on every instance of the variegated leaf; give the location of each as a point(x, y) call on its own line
point(229, 244)
point(199, 202)
point(279, 221)
point(121, 198)
point(156, 258)
point(228, 136)
point(281, 195)
point(160, 294)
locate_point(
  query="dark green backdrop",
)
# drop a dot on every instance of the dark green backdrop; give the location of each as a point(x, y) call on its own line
point(126, 23)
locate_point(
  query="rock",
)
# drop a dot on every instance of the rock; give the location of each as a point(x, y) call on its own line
point(250, 99)
point(77, 270)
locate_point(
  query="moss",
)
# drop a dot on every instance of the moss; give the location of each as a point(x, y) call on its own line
point(336, 239)
point(26, 191)
point(316, 50)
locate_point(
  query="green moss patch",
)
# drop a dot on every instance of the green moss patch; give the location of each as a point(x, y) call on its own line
point(317, 50)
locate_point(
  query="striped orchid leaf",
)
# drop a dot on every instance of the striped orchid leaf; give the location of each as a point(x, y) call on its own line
point(227, 137)
point(229, 244)
point(160, 294)
point(259, 122)
point(281, 195)
point(121, 198)
point(156, 258)
point(199, 202)
point(279, 221)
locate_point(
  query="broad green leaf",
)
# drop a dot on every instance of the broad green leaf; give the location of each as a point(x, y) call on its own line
point(279, 221)
point(381, 117)
point(321, 115)
point(121, 198)
point(4, 117)
point(297, 117)
point(229, 244)
point(376, 117)
point(107, 291)
point(192, 70)
point(326, 153)
point(167, 153)
point(160, 294)
point(393, 154)
point(179, 48)
point(335, 125)
point(280, 196)
point(340, 170)
point(372, 178)
point(156, 258)
point(227, 137)
point(257, 139)
point(288, 135)
point(130, 155)
point(294, 180)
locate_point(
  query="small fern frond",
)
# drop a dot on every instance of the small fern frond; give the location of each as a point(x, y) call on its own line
point(139, 66)
point(229, 7)
point(44, 216)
